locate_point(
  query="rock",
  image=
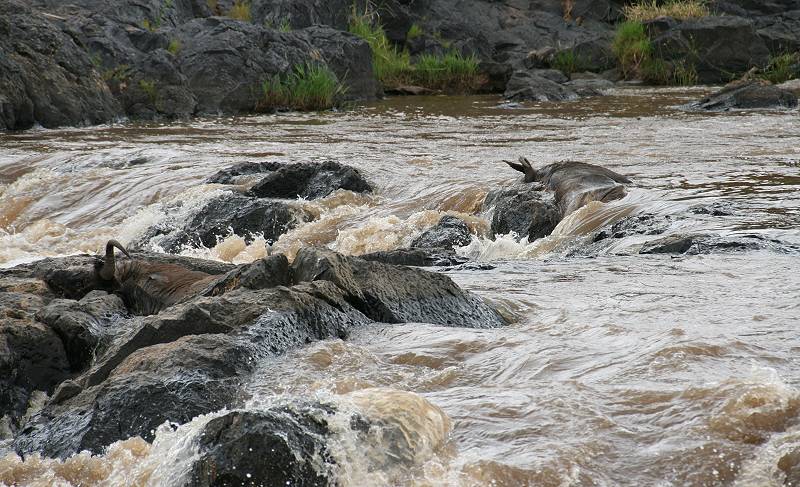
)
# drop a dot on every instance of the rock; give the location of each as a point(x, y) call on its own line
point(792, 85)
point(263, 273)
point(350, 59)
point(45, 76)
point(425, 45)
point(310, 181)
point(553, 75)
point(642, 224)
point(83, 325)
point(780, 30)
point(747, 95)
point(417, 257)
point(241, 215)
point(269, 448)
point(299, 14)
point(706, 244)
point(171, 382)
point(716, 46)
point(589, 86)
point(238, 172)
point(524, 210)
point(675, 244)
point(450, 232)
point(524, 86)
point(395, 294)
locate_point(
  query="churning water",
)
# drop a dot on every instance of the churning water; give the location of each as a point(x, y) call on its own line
point(619, 368)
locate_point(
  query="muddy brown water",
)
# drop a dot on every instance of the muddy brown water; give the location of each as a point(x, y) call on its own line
point(619, 368)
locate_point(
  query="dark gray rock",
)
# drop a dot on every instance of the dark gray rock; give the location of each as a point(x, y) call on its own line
point(553, 75)
point(395, 294)
point(245, 216)
point(170, 382)
point(719, 47)
point(589, 87)
point(238, 172)
point(525, 86)
point(45, 76)
point(310, 181)
point(449, 232)
point(269, 448)
point(84, 326)
point(747, 95)
point(268, 272)
point(523, 209)
point(694, 244)
point(430, 257)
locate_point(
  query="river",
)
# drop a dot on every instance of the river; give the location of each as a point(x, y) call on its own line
point(619, 368)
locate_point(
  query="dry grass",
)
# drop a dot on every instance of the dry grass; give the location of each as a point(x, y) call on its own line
point(677, 9)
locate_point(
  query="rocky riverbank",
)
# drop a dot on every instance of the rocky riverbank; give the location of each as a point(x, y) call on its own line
point(89, 62)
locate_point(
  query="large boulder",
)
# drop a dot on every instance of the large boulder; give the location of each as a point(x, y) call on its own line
point(718, 47)
point(394, 294)
point(235, 213)
point(525, 210)
point(310, 181)
point(747, 95)
point(277, 447)
point(46, 77)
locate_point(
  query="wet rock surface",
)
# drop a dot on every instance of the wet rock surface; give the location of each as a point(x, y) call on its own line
point(233, 448)
point(111, 375)
point(524, 210)
point(449, 232)
point(747, 95)
point(310, 181)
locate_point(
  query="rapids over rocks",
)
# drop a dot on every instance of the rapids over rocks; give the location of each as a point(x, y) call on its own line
point(643, 335)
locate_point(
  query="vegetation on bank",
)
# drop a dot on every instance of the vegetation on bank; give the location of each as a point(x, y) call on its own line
point(637, 58)
point(677, 9)
point(569, 62)
point(782, 67)
point(307, 87)
point(451, 72)
point(241, 11)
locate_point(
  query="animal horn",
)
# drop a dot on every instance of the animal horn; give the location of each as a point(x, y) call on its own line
point(109, 266)
point(524, 166)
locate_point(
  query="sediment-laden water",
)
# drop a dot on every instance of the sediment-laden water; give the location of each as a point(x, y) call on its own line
point(619, 368)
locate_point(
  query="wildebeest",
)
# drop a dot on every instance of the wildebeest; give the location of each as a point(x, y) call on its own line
point(148, 287)
point(574, 183)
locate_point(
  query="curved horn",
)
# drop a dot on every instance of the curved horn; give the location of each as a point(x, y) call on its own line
point(109, 266)
point(524, 166)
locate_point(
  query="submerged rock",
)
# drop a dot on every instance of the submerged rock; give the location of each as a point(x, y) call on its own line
point(526, 86)
point(747, 95)
point(430, 257)
point(233, 174)
point(449, 232)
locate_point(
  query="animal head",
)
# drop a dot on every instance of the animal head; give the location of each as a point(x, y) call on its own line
point(108, 270)
point(524, 166)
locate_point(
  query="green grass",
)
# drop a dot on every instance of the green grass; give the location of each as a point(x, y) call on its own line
point(678, 9)
point(782, 67)
point(413, 32)
point(569, 62)
point(632, 47)
point(174, 47)
point(451, 72)
point(241, 11)
point(149, 89)
point(309, 87)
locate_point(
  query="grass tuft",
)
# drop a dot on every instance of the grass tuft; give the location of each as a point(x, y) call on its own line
point(632, 47)
point(569, 62)
point(241, 11)
point(149, 89)
point(174, 47)
point(413, 32)
point(450, 72)
point(307, 87)
point(677, 9)
point(782, 67)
